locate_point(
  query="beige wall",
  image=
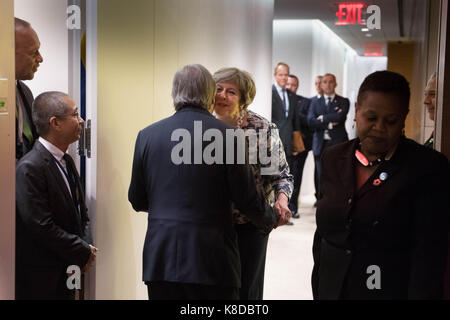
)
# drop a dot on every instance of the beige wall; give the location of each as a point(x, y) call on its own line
point(401, 60)
point(140, 46)
point(7, 151)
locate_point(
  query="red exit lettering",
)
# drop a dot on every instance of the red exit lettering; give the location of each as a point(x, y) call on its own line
point(349, 13)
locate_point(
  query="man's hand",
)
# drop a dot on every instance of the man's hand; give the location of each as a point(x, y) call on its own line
point(92, 257)
point(281, 205)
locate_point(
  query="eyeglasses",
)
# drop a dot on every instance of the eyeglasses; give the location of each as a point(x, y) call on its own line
point(76, 115)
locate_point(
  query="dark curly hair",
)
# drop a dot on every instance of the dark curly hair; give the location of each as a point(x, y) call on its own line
point(386, 82)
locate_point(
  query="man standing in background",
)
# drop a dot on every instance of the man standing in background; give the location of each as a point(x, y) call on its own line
point(327, 117)
point(317, 85)
point(302, 105)
point(52, 224)
point(284, 115)
point(28, 59)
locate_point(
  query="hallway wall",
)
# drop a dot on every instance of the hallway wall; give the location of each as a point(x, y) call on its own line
point(140, 47)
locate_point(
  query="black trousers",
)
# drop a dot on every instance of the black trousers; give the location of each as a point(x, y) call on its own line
point(42, 283)
point(298, 163)
point(164, 290)
point(252, 250)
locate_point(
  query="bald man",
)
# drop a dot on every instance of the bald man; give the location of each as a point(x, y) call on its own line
point(28, 58)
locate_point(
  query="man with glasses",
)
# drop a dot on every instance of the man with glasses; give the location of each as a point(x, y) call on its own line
point(52, 225)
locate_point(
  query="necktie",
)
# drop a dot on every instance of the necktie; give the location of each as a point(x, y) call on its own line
point(328, 101)
point(73, 179)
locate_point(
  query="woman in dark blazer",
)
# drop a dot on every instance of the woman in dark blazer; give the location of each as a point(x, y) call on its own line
point(383, 211)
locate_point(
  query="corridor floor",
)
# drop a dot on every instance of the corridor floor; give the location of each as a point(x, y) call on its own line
point(289, 259)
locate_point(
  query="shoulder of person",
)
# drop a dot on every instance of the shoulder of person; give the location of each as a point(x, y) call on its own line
point(34, 159)
point(257, 121)
point(317, 101)
point(341, 98)
point(339, 150)
point(304, 99)
point(425, 157)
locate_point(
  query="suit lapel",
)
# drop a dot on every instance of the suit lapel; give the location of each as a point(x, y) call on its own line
point(291, 103)
point(332, 105)
point(53, 167)
point(323, 105)
point(278, 107)
point(277, 98)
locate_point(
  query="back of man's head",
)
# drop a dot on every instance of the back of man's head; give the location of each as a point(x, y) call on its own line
point(193, 86)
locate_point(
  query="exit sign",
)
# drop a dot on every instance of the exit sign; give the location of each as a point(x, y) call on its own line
point(349, 13)
point(354, 14)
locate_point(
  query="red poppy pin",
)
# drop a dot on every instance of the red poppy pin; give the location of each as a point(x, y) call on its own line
point(376, 182)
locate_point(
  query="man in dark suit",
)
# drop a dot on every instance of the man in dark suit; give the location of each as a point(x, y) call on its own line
point(52, 225)
point(327, 117)
point(28, 59)
point(302, 106)
point(284, 115)
point(318, 87)
point(191, 249)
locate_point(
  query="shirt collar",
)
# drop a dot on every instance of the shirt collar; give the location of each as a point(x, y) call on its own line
point(326, 96)
point(279, 89)
point(55, 151)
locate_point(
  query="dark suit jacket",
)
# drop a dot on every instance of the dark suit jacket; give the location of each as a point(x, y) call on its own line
point(400, 225)
point(27, 98)
point(286, 125)
point(335, 112)
point(50, 233)
point(303, 105)
point(190, 236)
